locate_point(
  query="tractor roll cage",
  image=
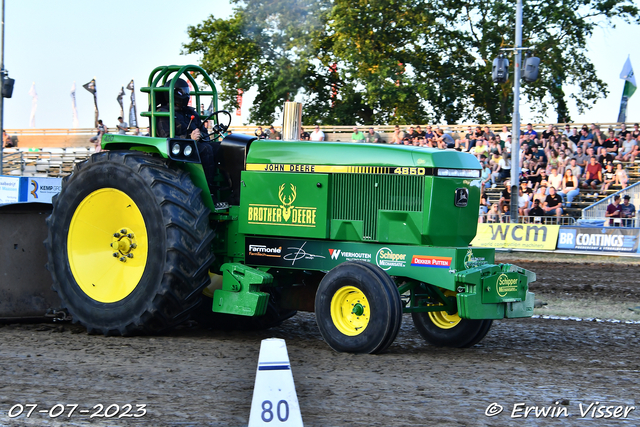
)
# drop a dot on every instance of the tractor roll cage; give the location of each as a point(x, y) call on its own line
point(157, 80)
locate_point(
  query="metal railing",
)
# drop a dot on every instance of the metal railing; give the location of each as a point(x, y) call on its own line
point(489, 218)
point(12, 161)
point(51, 163)
point(597, 211)
point(250, 129)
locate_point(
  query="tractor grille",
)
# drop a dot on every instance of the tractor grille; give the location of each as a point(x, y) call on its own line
point(358, 197)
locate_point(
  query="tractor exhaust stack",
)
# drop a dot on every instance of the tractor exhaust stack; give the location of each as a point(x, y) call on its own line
point(292, 121)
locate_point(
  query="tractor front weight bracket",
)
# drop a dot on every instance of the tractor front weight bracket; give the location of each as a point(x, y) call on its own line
point(240, 293)
point(419, 292)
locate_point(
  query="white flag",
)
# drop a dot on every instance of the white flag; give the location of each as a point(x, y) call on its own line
point(627, 73)
point(34, 105)
point(74, 109)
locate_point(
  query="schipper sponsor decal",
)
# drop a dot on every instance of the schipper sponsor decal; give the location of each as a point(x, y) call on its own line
point(386, 258)
point(505, 284)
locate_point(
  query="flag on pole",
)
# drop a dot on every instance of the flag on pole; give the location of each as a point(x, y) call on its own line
point(119, 98)
point(74, 109)
point(629, 89)
point(91, 87)
point(190, 103)
point(133, 111)
point(239, 98)
point(34, 105)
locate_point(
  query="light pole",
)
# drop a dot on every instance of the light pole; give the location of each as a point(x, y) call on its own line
point(2, 72)
point(515, 127)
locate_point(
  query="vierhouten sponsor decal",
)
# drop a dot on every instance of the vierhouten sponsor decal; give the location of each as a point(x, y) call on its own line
point(339, 254)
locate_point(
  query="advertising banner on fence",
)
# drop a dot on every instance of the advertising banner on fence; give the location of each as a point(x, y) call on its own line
point(39, 190)
point(28, 189)
point(9, 189)
point(599, 239)
point(517, 236)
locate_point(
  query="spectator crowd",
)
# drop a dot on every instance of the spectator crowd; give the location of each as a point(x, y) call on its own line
point(556, 165)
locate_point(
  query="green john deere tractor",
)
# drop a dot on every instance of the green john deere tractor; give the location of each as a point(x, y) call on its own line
point(358, 233)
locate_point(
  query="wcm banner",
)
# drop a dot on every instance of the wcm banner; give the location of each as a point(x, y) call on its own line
point(517, 236)
point(598, 239)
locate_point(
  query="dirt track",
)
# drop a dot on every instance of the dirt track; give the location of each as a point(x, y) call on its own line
point(198, 377)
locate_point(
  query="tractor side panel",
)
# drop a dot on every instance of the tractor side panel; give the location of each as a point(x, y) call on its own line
point(284, 204)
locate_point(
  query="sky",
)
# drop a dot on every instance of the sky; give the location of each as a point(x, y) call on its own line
point(54, 44)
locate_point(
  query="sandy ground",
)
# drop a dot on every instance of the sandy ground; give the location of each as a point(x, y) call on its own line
point(197, 377)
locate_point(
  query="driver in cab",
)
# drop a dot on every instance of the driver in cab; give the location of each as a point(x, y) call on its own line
point(188, 125)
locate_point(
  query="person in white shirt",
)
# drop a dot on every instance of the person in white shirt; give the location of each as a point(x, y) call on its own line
point(505, 136)
point(122, 126)
point(555, 179)
point(317, 134)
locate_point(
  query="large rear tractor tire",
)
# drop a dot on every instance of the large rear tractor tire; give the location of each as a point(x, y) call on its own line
point(129, 244)
point(450, 330)
point(358, 308)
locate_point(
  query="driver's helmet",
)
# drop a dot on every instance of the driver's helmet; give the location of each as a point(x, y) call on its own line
point(180, 92)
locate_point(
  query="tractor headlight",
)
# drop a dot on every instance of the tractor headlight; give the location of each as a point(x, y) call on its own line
point(183, 150)
point(459, 173)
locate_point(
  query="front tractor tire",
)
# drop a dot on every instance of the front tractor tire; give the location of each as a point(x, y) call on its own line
point(129, 244)
point(442, 329)
point(358, 308)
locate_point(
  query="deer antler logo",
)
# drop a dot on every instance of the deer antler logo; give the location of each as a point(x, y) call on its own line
point(287, 205)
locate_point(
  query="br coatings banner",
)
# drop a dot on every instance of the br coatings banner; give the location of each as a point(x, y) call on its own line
point(601, 239)
point(517, 236)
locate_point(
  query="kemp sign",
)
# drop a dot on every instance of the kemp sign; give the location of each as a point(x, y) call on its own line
point(598, 239)
point(517, 236)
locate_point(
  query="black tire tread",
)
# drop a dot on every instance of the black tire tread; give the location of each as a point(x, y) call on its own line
point(188, 237)
point(371, 341)
point(396, 305)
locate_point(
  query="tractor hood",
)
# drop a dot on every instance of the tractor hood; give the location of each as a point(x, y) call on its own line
point(270, 152)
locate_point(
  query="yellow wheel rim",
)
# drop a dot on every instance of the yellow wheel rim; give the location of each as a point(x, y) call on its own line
point(107, 245)
point(444, 320)
point(350, 311)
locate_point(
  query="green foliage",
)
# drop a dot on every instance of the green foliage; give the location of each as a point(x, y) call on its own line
point(400, 61)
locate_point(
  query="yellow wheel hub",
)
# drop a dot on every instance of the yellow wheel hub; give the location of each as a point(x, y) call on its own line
point(444, 320)
point(107, 245)
point(350, 311)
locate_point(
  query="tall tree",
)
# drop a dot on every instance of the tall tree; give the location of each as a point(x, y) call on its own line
point(401, 61)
